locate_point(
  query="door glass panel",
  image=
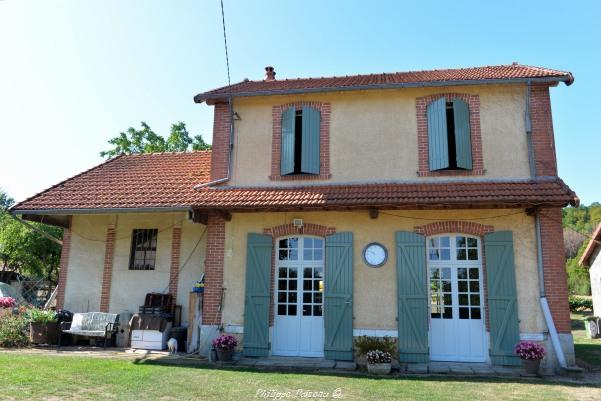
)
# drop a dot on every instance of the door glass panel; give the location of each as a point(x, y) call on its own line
point(312, 288)
point(287, 291)
point(441, 300)
point(439, 248)
point(468, 288)
point(288, 249)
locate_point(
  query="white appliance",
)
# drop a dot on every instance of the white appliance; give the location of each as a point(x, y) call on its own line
point(150, 339)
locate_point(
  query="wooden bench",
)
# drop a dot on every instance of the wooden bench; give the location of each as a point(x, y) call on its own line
point(91, 324)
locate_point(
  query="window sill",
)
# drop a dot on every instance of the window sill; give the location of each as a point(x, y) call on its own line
point(300, 177)
point(450, 173)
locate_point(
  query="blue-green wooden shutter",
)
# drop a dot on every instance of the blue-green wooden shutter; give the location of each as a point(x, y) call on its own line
point(463, 136)
point(257, 299)
point(438, 143)
point(310, 143)
point(287, 152)
point(412, 294)
point(338, 297)
point(502, 298)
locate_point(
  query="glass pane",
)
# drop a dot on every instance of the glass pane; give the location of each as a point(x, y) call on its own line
point(472, 254)
point(445, 242)
point(317, 298)
point(434, 285)
point(291, 310)
point(434, 273)
point(307, 254)
point(283, 255)
point(307, 285)
point(292, 273)
point(293, 255)
point(317, 310)
point(281, 284)
point(292, 285)
point(463, 299)
point(472, 242)
point(317, 243)
point(476, 313)
point(475, 300)
point(446, 286)
point(474, 286)
point(292, 297)
point(307, 272)
point(433, 242)
point(445, 254)
point(308, 242)
point(461, 255)
point(462, 286)
point(464, 313)
point(315, 285)
point(446, 273)
point(293, 243)
point(474, 274)
point(282, 310)
point(307, 297)
point(318, 254)
point(462, 273)
point(281, 296)
point(433, 254)
point(318, 272)
point(284, 243)
point(282, 273)
point(460, 241)
point(306, 310)
point(448, 313)
point(447, 299)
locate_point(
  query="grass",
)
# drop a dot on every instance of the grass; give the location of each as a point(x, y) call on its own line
point(587, 350)
point(46, 377)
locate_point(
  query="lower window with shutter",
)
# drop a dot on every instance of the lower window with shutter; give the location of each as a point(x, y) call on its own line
point(143, 249)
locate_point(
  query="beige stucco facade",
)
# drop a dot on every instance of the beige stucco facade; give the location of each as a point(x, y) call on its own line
point(383, 125)
point(375, 303)
point(129, 287)
point(595, 275)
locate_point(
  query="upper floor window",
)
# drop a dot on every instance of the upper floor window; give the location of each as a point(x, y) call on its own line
point(143, 249)
point(449, 135)
point(300, 142)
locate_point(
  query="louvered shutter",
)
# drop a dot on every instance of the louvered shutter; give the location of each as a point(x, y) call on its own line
point(287, 151)
point(310, 141)
point(437, 135)
point(256, 299)
point(463, 136)
point(412, 297)
point(338, 297)
point(502, 297)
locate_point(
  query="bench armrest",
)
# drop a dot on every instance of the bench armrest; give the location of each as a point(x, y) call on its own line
point(112, 327)
point(65, 326)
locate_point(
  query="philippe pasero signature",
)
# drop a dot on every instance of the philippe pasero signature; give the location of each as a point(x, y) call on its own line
point(273, 394)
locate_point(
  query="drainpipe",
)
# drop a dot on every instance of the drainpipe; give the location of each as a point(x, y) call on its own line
point(531, 161)
point(229, 155)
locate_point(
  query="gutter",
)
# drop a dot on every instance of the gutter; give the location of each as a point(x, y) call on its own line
point(568, 80)
point(229, 153)
point(99, 210)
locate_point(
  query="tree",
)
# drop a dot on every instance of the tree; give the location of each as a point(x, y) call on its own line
point(146, 140)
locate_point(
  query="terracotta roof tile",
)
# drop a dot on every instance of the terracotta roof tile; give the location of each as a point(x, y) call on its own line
point(129, 181)
point(374, 81)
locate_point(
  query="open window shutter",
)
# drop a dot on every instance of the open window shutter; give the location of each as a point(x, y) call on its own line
point(256, 302)
point(338, 297)
point(438, 144)
point(463, 136)
point(412, 294)
point(310, 144)
point(502, 297)
point(287, 155)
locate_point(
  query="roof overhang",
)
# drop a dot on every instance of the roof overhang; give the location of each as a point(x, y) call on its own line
point(594, 242)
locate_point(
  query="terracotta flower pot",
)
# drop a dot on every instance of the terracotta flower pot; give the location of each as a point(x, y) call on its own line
point(43, 333)
point(379, 368)
point(225, 355)
point(531, 366)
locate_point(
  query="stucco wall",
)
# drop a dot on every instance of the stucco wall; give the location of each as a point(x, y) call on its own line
point(128, 288)
point(375, 289)
point(595, 274)
point(382, 124)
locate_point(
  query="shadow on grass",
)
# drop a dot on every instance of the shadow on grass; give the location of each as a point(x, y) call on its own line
point(205, 365)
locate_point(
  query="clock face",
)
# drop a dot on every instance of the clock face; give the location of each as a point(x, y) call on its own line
point(375, 254)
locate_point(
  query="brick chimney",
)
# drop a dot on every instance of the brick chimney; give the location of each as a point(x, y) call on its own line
point(269, 73)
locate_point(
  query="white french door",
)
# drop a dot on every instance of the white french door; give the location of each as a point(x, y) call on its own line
point(298, 321)
point(457, 320)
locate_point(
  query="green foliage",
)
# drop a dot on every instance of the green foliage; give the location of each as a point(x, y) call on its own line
point(580, 303)
point(26, 251)
point(14, 329)
point(364, 344)
point(583, 219)
point(35, 315)
point(146, 140)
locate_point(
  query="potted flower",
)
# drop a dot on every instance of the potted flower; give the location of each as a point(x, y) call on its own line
point(224, 345)
point(7, 302)
point(531, 354)
point(43, 326)
point(378, 362)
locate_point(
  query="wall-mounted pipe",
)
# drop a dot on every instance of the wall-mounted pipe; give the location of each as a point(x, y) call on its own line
point(528, 123)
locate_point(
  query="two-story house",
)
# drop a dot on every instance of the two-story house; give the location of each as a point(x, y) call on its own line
point(424, 206)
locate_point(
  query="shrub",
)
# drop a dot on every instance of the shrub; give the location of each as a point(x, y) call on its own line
point(225, 342)
point(529, 350)
point(364, 344)
point(14, 329)
point(41, 316)
point(7, 302)
point(377, 356)
point(580, 303)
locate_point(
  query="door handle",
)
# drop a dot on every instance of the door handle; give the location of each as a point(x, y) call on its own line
point(348, 301)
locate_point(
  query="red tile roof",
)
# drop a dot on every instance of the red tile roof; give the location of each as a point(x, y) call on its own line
point(594, 242)
point(396, 79)
point(153, 180)
point(395, 195)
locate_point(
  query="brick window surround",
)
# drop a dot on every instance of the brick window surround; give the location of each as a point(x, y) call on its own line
point(468, 228)
point(283, 231)
point(176, 240)
point(107, 273)
point(324, 142)
point(64, 265)
point(421, 106)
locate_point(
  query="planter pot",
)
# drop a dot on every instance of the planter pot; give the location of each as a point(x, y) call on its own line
point(591, 325)
point(43, 333)
point(225, 355)
point(531, 366)
point(379, 368)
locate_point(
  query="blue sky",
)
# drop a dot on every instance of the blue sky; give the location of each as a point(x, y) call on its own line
point(75, 73)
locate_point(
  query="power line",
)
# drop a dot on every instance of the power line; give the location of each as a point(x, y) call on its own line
point(227, 59)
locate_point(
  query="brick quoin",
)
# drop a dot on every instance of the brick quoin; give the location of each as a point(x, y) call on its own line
point(107, 274)
point(324, 142)
point(543, 141)
point(283, 231)
point(554, 268)
point(211, 308)
point(421, 105)
point(221, 141)
point(62, 275)
point(175, 255)
point(469, 228)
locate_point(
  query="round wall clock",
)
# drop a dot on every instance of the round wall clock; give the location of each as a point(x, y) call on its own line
point(375, 254)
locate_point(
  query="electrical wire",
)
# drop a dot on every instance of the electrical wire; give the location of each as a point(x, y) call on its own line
point(227, 58)
point(189, 255)
point(453, 219)
point(125, 236)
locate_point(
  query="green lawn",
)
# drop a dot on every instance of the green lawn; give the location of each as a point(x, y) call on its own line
point(587, 350)
point(43, 377)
